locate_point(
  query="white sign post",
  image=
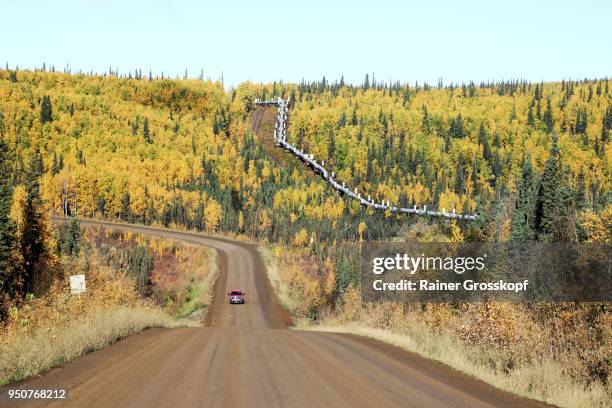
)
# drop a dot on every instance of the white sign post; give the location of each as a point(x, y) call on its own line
point(77, 284)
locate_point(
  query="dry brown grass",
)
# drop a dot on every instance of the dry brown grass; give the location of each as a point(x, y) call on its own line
point(279, 282)
point(296, 281)
point(200, 287)
point(48, 346)
point(57, 327)
point(542, 380)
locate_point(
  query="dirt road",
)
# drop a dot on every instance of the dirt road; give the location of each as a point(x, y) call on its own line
point(262, 122)
point(246, 357)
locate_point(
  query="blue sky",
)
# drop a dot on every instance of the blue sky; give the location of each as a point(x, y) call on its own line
point(288, 40)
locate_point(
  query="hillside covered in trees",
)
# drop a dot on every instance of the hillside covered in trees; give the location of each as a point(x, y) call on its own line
point(534, 157)
point(533, 160)
point(487, 148)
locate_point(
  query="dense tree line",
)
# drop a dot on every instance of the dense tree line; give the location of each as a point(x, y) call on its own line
point(410, 144)
point(26, 264)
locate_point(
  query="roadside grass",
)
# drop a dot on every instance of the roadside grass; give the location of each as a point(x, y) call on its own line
point(280, 285)
point(194, 302)
point(199, 295)
point(49, 346)
point(542, 380)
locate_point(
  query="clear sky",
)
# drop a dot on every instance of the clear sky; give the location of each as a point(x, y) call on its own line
point(290, 40)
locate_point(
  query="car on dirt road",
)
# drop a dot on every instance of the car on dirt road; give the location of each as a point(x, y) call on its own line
point(236, 296)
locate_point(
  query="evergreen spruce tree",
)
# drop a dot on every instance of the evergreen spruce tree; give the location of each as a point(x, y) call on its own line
point(604, 134)
point(331, 146)
point(369, 168)
point(581, 194)
point(80, 157)
point(354, 117)
point(199, 216)
point(486, 147)
point(548, 193)
point(146, 132)
point(412, 161)
point(447, 142)
point(548, 117)
point(523, 217)
point(482, 135)
point(405, 97)
point(425, 123)
point(32, 245)
point(460, 175)
point(71, 238)
point(7, 231)
point(45, 110)
point(125, 206)
point(458, 130)
point(474, 178)
point(101, 206)
point(54, 165)
point(581, 121)
point(563, 224)
point(496, 166)
point(530, 119)
point(439, 189)
point(401, 152)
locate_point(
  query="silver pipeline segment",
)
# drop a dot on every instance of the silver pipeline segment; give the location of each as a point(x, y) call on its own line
point(280, 139)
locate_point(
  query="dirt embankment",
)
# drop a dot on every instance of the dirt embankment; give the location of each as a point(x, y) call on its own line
point(263, 120)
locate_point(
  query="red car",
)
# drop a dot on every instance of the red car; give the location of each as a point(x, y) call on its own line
point(236, 296)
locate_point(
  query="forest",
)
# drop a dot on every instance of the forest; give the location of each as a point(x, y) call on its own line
point(532, 160)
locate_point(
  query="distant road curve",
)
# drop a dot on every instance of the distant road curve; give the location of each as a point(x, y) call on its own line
point(245, 357)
